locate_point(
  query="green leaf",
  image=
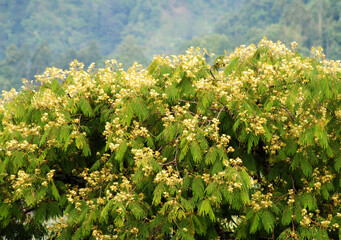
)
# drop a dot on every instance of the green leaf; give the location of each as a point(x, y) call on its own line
point(198, 188)
point(137, 210)
point(199, 224)
point(337, 164)
point(196, 152)
point(268, 221)
point(184, 151)
point(153, 67)
point(140, 109)
point(160, 188)
point(79, 142)
point(4, 210)
point(105, 212)
point(211, 155)
point(172, 92)
point(286, 216)
point(232, 66)
point(211, 188)
point(86, 107)
point(55, 191)
point(206, 209)
point(206, 100)
point(255, 225)
point(121, 150)
point(246, 179)
point(188, 206)
point(306, 167)
point(245, 196)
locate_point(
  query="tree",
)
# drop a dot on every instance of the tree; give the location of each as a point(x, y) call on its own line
point(248, 148)
point(64, 59)
point(90, 54)
point(14, 67)
point(214, 43)
point(42, 58)
point(129, 52)
point(12, 54)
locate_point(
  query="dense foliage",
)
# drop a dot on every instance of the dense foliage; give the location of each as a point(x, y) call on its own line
point(35, 34)
point(247, 148)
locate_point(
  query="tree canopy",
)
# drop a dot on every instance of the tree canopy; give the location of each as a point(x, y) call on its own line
point(245, 148)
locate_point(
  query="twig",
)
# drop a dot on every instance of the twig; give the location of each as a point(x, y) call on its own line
point(317, 108)
point(186, 101)
point(292, 117)
point(220, 111)
point(210, 69)
point(176, 155)
point(293, 184)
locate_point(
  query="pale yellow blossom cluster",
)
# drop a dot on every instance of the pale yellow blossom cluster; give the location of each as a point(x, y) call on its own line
point(228, 178)
point(47, 100)
point(321, 176)
point(24, 145)
point(276, 143)
point(82, 85)
point(154, 94)
point(139, 131)
point(277, 48)
point(23, 129)
point(233, 162)
point(307, 218)
point(336, 198)
point(203, 84)
point(136, 77)
point(176, 114)
point(142, 158)
point(52, 73)
point(23, 179)
point(115, 133)
point(242, 52)
point(166, 60)
point(318, 53)
point(191, 125)
point(291, 196)
point(98, 235)
point(76, 66)
point(55, 225)
point(212, 130)
point(8, 95)
point(97, 178)
point(330, 66)
point(170, 176)
point(96, 181)
point(261, 201)
point(191, 62)
point(123, 197)
point(257, 125)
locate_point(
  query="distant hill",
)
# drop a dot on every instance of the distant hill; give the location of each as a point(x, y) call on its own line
point(35, 34)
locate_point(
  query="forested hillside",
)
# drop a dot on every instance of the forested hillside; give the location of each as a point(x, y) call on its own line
point(37, 33)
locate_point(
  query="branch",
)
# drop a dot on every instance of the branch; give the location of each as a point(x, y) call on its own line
point(210, 69)
point(220, 111)
point(293, 183)
point(292, 117)
point(186, 101)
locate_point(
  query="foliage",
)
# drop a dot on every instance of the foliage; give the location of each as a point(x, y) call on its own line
point(248, 148)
